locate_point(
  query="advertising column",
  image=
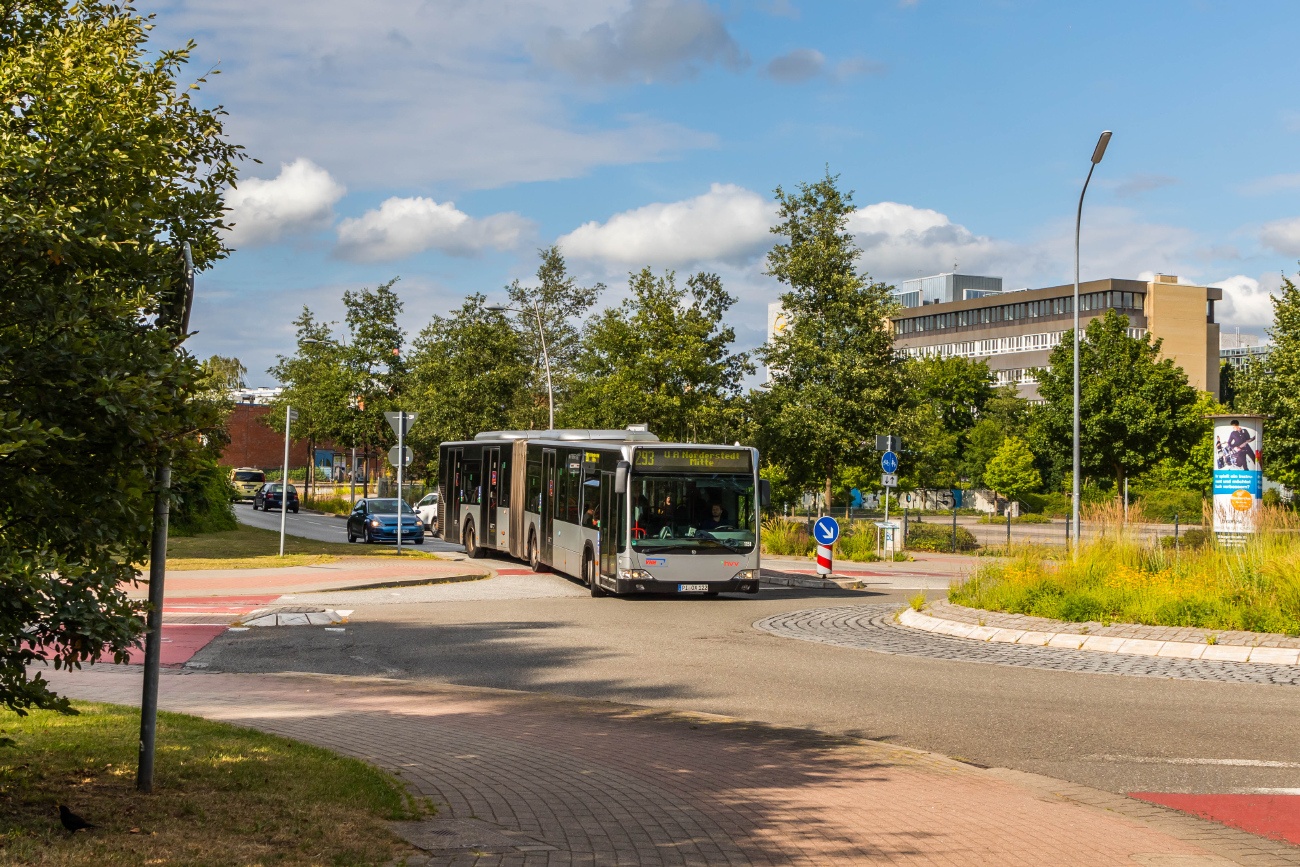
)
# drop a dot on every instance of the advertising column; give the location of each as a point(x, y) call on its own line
point(1238, 472)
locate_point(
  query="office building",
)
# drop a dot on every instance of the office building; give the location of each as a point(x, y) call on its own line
point(1015, 331)
point(1237, 348)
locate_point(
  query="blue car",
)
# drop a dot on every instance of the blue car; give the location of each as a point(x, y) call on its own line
point(376, 521)
point(271, 495)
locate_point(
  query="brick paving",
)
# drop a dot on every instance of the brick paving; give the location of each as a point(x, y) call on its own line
point(1002, 620)
point(553, 781)
point(873, 627)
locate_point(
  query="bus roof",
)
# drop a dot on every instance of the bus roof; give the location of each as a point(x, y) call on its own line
point(635, 433)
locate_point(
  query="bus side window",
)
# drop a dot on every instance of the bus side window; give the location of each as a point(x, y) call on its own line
point(471, 490)
point(620, 524)
point(562, 490)
point(503, 482)
point(534, 486)
point(573, 493)
point(591, 499)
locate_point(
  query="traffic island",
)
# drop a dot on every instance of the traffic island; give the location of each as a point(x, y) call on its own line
point(945, 618)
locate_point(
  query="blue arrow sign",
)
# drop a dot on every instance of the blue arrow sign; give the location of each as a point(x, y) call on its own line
point(889, 462)
point(826, 530)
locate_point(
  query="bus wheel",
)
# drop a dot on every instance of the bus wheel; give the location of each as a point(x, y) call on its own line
point(472, 550)
point(589, 573)
point(535, 555)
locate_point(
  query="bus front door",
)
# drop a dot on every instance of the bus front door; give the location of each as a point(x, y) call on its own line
point(492, 468)
point(608, 517)
point(548, 505)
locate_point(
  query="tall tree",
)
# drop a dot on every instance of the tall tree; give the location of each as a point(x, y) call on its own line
point(663, 357)
point(1135, 408)
point(949, 396)
point(1011, 472)
point(560, 304)
point(835, 378)
point(1271, 385)
point(106, 165)
point(470, 372)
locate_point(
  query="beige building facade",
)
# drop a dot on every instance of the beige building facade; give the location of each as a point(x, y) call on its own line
point(1015, 331)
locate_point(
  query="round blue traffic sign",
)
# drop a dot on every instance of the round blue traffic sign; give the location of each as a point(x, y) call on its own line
point(889, 462)
point(826, 530)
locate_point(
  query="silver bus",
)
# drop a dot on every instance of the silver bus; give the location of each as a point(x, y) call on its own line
point(617, 509)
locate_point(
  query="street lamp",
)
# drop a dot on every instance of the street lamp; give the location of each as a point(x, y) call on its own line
point(1097, 153)
point(550, 394)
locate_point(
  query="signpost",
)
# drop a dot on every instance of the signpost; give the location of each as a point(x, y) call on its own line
point(396, 458)
point(290, 416)
point(401, 422)
point(891, 446)
point(825, 531)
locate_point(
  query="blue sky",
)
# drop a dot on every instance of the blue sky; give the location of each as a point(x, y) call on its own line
point(443, 142)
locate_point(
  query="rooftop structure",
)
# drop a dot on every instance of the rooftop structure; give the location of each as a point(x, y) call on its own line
point(945, 289)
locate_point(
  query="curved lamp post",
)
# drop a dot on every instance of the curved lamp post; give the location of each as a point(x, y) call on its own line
point(550, 394)
point(1097, 153)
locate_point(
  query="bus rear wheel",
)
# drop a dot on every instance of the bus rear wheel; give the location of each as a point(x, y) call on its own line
point(472, 550)
point(589, 575)
point(534, 554)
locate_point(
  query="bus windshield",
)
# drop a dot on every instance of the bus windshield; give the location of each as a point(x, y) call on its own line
point(692, 512)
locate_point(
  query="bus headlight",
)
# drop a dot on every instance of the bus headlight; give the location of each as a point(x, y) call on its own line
point(635, 575)
point(746, 575)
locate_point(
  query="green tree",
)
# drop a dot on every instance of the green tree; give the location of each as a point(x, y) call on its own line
point(1005, 414)
point(662, 357)
point(560, 304)
point(470, 372)
point(1011, 472)
point(1135, 408)
point(949, 397)
point(835, 378)
point(1272, 386)
point(105, 167)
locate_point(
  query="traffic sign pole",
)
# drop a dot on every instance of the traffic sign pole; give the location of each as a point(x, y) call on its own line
point(401, 450)
point(289, 415)
point(825, 532)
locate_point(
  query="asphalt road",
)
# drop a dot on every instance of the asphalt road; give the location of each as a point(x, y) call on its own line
point(323, 528)
point(1118, 733)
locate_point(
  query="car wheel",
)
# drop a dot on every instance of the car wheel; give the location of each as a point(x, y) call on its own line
point(294, 510)
point(472, 550)
point(419, 541)
point(351, 537)
point(534, 554)
point(369, 539)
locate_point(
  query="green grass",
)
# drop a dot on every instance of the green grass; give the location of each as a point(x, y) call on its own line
point(255, 548)
point(1027, 518)
point(223, 795)
point(1119, 578)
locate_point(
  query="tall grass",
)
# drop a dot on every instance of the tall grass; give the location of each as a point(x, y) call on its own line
point(790, 539)
point(1119, 578)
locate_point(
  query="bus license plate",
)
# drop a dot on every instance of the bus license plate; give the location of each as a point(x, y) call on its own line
point(692, 588)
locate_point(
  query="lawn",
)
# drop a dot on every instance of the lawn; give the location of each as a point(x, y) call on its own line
point(223, 795)
point(255, 548)
point(1121, 579)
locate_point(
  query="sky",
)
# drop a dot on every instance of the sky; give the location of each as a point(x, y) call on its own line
point(445, 141)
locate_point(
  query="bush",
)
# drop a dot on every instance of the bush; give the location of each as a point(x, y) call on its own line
point(858, 542)
point(1188, 539)
point(201, 499)
point(333, 505)
point(786, 538)
point(938, 538)
point(1029, 518)
point(1162, 505)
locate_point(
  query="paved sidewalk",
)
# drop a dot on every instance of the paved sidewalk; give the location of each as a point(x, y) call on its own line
point(554, 781)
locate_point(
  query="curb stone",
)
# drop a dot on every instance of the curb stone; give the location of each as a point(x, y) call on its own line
point(1080, 641)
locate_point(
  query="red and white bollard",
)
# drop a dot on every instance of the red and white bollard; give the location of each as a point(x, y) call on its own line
point(823, 559)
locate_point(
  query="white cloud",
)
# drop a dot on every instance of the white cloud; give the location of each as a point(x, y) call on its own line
point(1137, 184)
point(401, 94)
point(1246, 301)
point(400, 228)
point(1270, 184)
point(898, 241)
point(1282, 236)
point(653, 40)
point(728, 223)
point(796, 67)
point(297, 201)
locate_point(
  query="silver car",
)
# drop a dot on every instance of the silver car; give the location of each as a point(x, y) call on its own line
point(427, 509)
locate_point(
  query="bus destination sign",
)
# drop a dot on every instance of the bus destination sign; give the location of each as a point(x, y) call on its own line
point(700, 460)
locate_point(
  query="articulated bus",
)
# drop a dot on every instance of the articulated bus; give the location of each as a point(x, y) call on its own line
point(617, 509)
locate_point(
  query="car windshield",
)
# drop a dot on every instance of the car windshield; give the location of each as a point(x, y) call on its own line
point(692, 512)
point(388, 507)
point(250, 477)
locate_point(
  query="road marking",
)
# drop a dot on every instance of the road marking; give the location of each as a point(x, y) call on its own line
point(1240, 763)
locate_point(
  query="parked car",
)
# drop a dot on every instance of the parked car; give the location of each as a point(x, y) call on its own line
point(376, 521)
point(427, 509)
point(246, 481)
point(270, 494)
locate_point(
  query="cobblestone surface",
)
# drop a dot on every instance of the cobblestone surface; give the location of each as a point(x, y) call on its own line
point(960, 613)
point(525, 779)
point(872, 627)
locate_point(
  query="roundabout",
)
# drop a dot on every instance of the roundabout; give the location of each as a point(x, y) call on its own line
point(874, 627)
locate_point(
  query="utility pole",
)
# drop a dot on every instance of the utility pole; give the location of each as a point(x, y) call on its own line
point(289, 416)
point(158, 564)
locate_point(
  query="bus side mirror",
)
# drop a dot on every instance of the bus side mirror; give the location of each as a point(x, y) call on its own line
point(620, 477)
point(764, 493)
